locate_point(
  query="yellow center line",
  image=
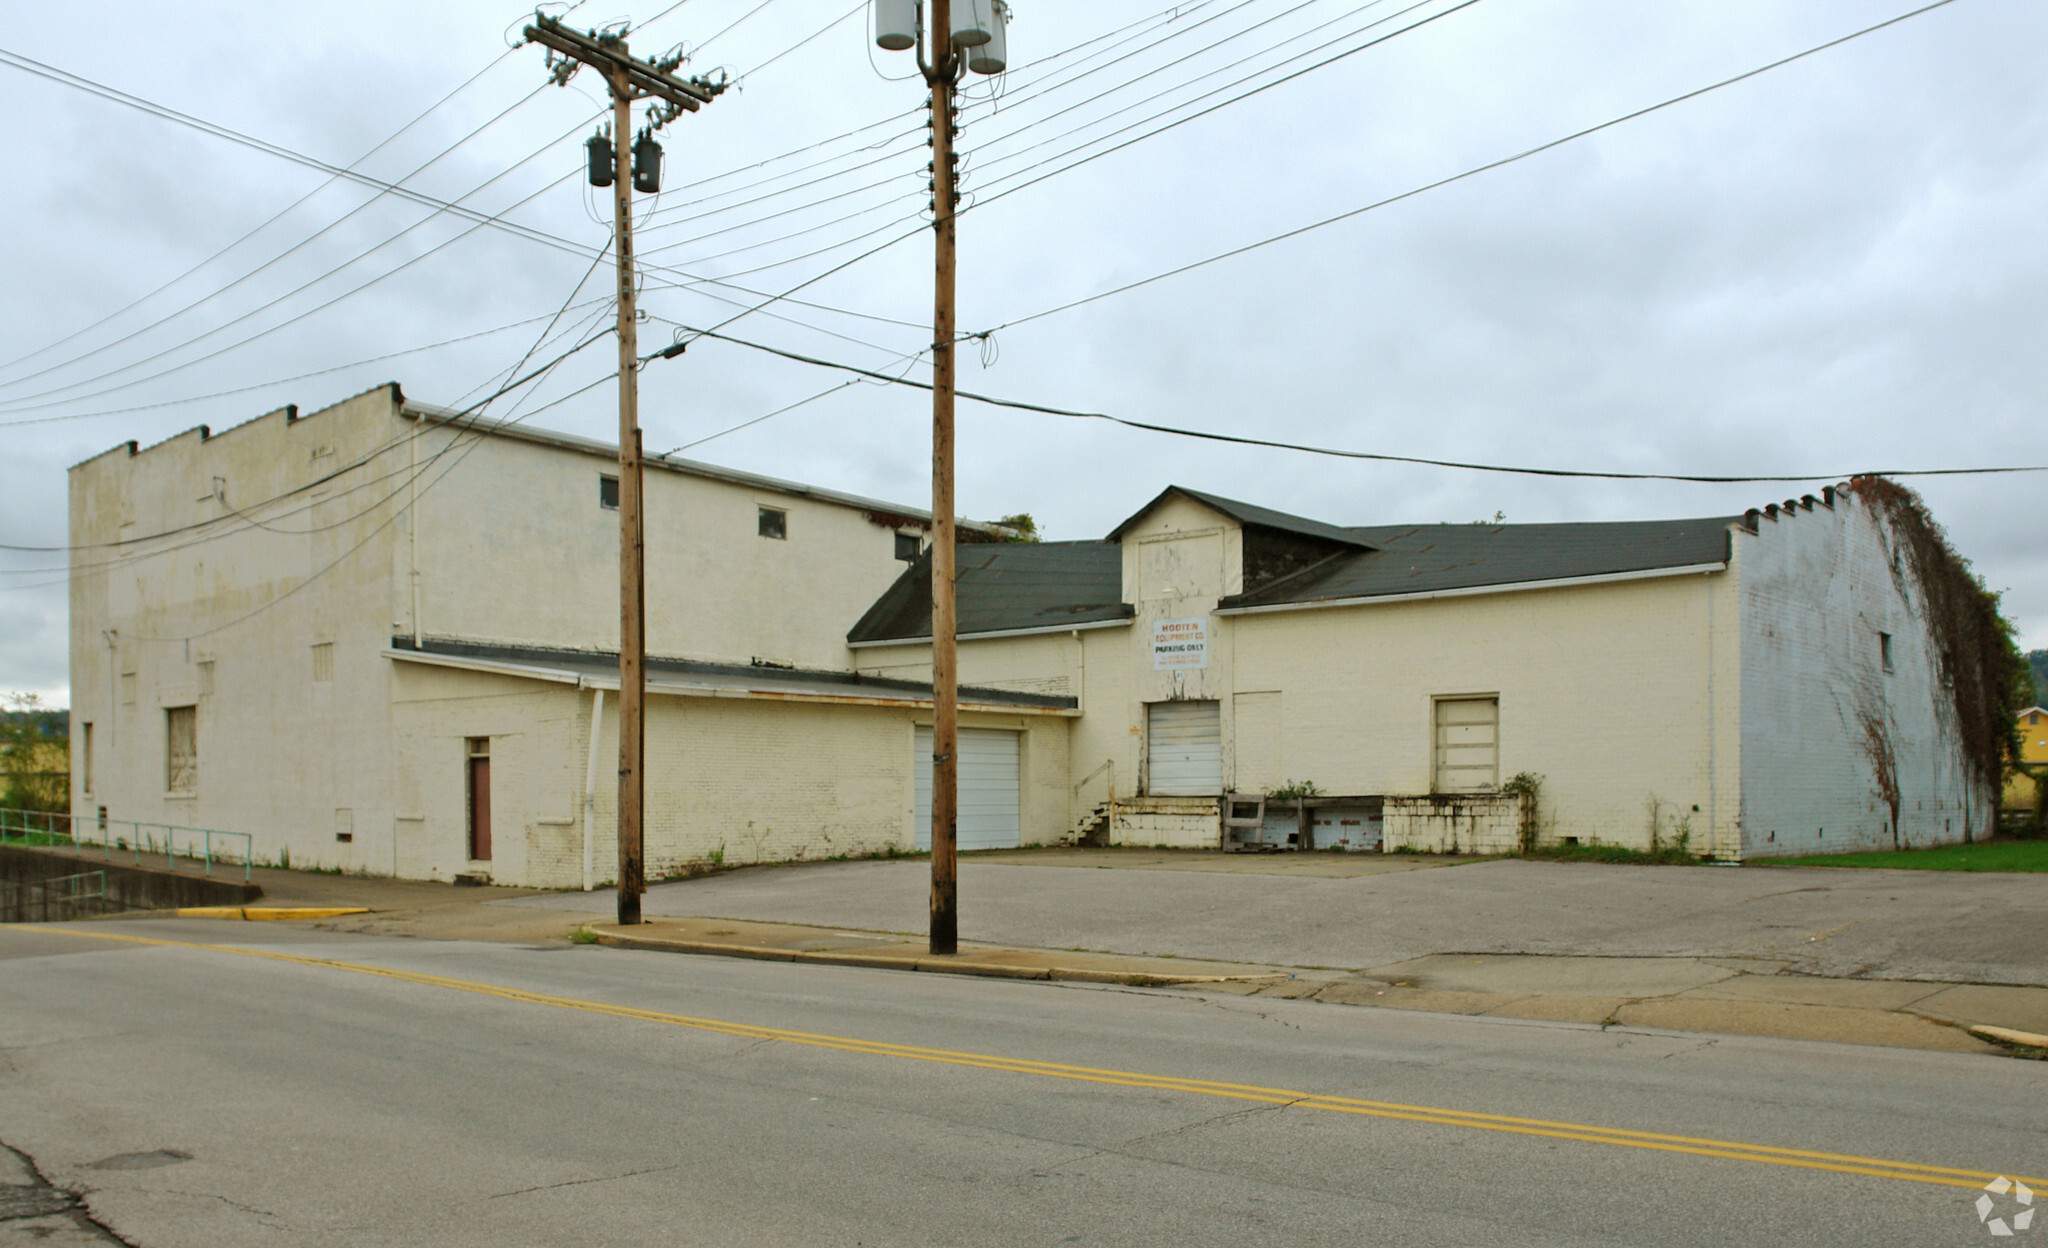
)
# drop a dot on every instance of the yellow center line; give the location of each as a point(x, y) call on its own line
point(1734, 1150)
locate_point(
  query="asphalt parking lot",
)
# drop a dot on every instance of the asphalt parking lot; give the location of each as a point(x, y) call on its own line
point(1308, 911)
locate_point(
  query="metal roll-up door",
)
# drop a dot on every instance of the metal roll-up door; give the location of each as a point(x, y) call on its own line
point(989, 789)
point(1184, 749)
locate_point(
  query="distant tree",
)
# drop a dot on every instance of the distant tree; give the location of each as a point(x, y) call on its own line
point(2037, 666)
point(35, 755)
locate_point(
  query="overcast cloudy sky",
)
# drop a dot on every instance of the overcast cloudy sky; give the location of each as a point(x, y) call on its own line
point(1835, 266)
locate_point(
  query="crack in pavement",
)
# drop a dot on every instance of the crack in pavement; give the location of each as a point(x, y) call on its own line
point(1202, 1123)
point(602, 1178)
point(24, 1202)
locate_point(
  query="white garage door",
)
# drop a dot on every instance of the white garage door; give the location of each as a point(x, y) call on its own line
point(988, 789)
point(1183, 749)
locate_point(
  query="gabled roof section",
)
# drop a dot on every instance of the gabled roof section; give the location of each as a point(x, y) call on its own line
point(1005, 587)
point(1247, 513)
point(1400, 560)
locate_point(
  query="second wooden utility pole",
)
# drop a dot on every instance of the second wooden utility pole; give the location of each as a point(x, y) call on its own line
point(943, 72)
point(633, 162)
point(946, 50)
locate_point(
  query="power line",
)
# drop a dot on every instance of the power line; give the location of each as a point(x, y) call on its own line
point(1475, 171)
point(318, 482)
point(728, 29)
point(20, 405)
point(1239, 98)
point(1161, 68)
point(265, 385)
point(295, 247)
point(887, 181)
point(1268, 443)
point(273, 220)
point(858, 6)
point(918, 130)
point(413, 473)
point(530, 233)
point(884, 157)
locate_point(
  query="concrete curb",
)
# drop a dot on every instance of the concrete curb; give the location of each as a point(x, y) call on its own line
point(961, 965)
point(2006, 1035)
point(265, 912)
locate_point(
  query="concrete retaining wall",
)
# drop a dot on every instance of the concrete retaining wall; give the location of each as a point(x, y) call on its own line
point(129, 887)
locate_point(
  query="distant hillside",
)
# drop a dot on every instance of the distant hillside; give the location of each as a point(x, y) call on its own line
point(2038, 660)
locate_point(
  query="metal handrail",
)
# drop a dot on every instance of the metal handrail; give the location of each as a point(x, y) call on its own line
point(1108, 764)
point(142, 837)
point(76, 894)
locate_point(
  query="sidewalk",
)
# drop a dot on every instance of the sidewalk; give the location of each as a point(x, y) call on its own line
point(791, 942)
point(1731, 996)
point(1768, 993)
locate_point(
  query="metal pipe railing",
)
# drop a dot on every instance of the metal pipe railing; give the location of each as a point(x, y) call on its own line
point(142, 838)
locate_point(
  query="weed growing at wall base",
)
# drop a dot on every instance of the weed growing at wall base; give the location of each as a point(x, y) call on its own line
point(1677, 854)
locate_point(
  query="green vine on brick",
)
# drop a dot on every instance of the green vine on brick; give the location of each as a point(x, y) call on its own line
point(1529, 786)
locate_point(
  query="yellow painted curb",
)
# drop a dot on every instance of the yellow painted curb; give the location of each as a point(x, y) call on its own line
point(2006, 1035)
point(268, 912)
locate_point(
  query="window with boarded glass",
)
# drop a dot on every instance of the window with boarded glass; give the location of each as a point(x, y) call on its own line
point(181, 749)
point(1467, 744)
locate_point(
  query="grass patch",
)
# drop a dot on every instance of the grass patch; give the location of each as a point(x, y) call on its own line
point(1994, 856)
point(583, 936)
point(48, 840)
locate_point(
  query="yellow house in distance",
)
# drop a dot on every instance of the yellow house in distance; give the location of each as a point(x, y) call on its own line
point(2020, 786)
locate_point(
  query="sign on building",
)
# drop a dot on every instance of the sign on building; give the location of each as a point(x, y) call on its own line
point(1180, 643)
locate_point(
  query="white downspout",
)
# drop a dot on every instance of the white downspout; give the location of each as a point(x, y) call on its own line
point(590, 781)
point(412, 527)
point(1714, 845)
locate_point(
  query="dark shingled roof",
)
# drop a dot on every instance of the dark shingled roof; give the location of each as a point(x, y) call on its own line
point(1248, 513)
point(1012, 586)
point(1004, 586)
point(1426, 558)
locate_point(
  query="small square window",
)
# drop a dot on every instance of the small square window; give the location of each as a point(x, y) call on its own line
point(774, 523)
point(608, 492)
point(908, 547)
point(1884, 650)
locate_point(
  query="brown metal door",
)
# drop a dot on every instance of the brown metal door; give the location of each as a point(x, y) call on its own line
point(480, 808)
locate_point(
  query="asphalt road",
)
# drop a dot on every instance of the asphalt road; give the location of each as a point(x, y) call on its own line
point(1938, 925)
point(349, 1090)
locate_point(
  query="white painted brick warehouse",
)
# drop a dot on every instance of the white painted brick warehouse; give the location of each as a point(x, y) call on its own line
point(375, 639)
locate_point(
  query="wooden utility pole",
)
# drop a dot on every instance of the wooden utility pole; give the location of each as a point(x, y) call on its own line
point(629, 80)
point(942, 71)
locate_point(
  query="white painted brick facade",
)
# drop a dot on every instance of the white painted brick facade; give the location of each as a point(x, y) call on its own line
point(1818, 587)
point(1731, 708)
